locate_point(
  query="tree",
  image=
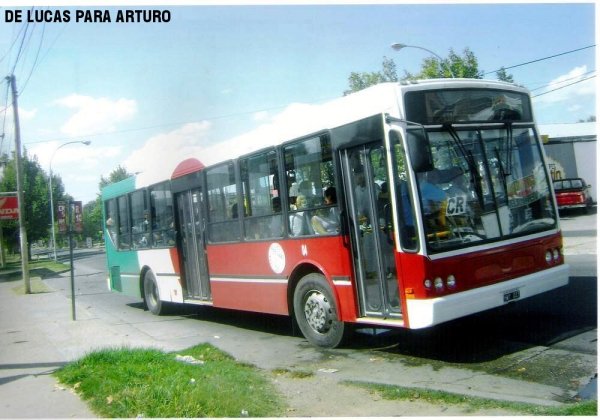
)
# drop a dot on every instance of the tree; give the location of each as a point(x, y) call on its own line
point(92, 220)
point(360, 81)
point(503, 76)
point(465, 65)
point(117, 174)
point(461, 66)
point(36, 195)
point(591, 118)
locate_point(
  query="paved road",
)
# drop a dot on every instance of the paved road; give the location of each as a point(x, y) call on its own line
point(549, 340)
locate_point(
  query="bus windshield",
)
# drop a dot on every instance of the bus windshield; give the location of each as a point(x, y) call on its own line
point(485, 184)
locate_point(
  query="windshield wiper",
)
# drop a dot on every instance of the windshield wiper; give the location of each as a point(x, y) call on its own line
point(468, 157)
point(503, 173)
point(509, 140)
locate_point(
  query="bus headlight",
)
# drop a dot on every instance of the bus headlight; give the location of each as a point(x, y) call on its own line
point(438, 283)
point(427, 284)
point(451, 282)
point(548, 257)
point(556, 254)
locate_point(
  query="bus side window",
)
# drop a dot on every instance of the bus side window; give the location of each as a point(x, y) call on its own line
point(309, 171)
point(406, 211)
point(124, 223)
point(140, 228)
point(262, 200)
point(224, 212)
point(111, 219)
point(161, 215)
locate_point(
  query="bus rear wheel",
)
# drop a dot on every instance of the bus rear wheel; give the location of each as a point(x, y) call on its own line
point(316, 312)
point(151, 296)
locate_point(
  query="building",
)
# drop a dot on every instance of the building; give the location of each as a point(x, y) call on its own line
point(571, 151)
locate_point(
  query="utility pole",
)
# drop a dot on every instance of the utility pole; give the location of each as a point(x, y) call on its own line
point(22, 231)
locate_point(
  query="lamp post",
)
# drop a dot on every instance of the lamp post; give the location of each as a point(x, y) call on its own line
point(398, 46)
point(87, 143)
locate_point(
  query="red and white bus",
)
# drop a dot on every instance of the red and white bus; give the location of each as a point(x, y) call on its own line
point(404, 205)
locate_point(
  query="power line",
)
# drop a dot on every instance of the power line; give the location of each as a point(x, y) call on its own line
point(563, 81)
point(5, 110)
point(35, 61)
point(540, 59)
point(13, 44)
point(562, 87)
point(20, 47)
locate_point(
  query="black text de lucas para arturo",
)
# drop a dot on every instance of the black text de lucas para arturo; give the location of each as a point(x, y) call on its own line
point(87, 16)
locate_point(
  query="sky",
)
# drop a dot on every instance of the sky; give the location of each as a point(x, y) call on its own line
point(148, 95)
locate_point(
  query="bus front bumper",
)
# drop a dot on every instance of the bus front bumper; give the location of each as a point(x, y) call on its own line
point(424, 313)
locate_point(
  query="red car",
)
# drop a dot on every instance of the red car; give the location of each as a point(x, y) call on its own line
point(573, 193)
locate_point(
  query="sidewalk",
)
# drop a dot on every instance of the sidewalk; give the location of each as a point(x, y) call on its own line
point(27, 359)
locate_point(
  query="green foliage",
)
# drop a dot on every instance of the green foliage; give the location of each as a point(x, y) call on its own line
point(591, 118)
point(35, 195)
point(118, 174)
point(465, 65)
point(503, 76)
point(149, 383)
point(92, 218)
point(360, 81)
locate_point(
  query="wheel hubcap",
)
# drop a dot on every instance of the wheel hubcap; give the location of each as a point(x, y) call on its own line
point(317, 310)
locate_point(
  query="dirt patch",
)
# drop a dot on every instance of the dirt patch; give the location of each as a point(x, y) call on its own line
point(322, 396)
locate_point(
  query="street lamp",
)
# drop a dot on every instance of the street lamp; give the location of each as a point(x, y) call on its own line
point(87, 143)
point(397, 47)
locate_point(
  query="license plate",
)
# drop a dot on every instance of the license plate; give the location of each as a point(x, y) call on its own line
point(512, 295)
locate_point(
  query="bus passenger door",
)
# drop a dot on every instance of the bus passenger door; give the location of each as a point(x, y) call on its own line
point(366, 184)
point(191, 234)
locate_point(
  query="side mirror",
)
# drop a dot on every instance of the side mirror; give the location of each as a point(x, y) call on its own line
point(419, 150)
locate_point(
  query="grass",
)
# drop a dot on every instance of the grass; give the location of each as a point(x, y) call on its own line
point(584, 408)
point(151, 383)
point(37, 268)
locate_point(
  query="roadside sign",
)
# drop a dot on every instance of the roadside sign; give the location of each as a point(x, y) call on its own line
point(9, 208)
point(61, 213)
point(78, 216)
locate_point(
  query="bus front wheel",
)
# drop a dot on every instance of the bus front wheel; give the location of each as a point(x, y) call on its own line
point(151, 296)
point(316, 312)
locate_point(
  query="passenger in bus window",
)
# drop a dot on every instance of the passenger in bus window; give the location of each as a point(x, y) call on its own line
point(276, 226)
point(110, 224)
point(327, 220)
point(297, 225)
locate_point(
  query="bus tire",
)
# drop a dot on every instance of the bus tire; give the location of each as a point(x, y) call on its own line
point(316, 312)
point(151, 296)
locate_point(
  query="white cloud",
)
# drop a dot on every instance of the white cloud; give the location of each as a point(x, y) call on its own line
point(159, 156)
point(24, 114)
point(73, 156)
point(95, 115)
point(568, 87)
point(260, 116)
